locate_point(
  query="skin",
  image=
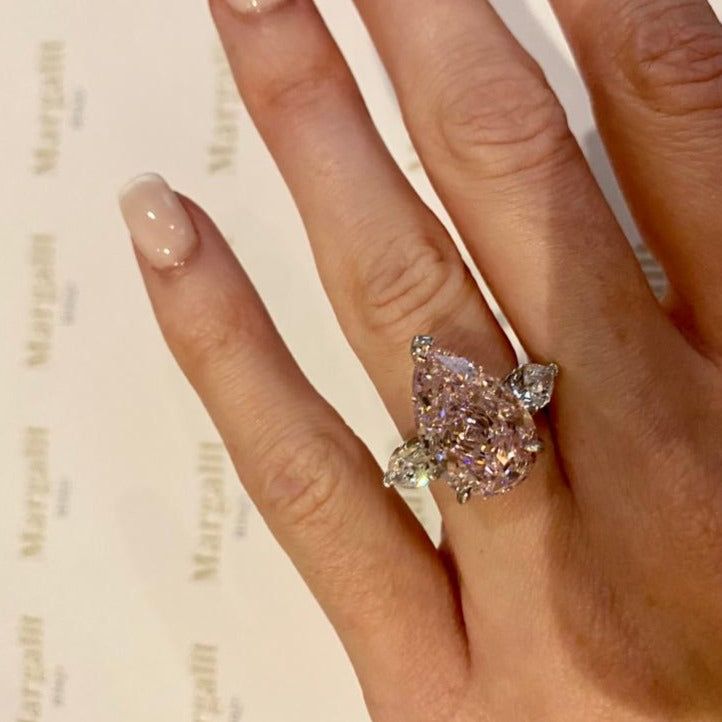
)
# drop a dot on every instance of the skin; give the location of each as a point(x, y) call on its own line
point(593, 591)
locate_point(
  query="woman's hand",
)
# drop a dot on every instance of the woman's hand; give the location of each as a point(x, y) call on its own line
point(594, 590)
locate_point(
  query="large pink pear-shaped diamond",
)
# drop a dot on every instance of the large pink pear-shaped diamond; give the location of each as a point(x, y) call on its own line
point(481, 434)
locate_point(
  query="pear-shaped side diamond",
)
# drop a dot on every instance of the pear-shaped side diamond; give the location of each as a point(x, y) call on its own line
point(411, 466)
point(533, 384)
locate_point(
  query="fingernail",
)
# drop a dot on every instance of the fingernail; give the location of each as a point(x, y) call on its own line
point(254, 6)
point(158, 223)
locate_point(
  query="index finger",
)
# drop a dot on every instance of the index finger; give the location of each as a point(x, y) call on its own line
point(359, 548)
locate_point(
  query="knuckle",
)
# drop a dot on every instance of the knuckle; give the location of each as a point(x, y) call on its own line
point(414, 279)
point(502, 124)
point(211, 331)
point(671, 53)
point(304, 478)
point(304, 86)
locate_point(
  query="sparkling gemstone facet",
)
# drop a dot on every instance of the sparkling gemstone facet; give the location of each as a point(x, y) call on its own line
point(482, 435)
point(533, 384)
point(411, 467)
point(420, 346)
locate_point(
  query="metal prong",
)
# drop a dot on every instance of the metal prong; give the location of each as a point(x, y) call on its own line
point(535, 447)
point(420, 347)
point(463, 495)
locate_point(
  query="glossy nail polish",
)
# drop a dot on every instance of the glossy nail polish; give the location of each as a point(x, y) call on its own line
point(254, 6)
point(158, 223)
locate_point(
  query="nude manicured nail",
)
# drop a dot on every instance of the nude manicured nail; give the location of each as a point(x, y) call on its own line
point(158, 223)
point(254, 6)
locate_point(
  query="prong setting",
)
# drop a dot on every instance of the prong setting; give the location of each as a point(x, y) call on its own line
point(463, 495)
point(420, 347)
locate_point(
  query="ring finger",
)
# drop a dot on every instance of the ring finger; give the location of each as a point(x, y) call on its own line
point(389, 267)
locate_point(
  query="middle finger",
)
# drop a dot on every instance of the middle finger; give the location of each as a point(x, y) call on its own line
point(496, 145)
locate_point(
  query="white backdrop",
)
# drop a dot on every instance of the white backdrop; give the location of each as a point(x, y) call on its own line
point(137, 582)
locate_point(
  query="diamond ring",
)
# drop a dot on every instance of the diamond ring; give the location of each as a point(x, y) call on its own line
point(474, 431)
